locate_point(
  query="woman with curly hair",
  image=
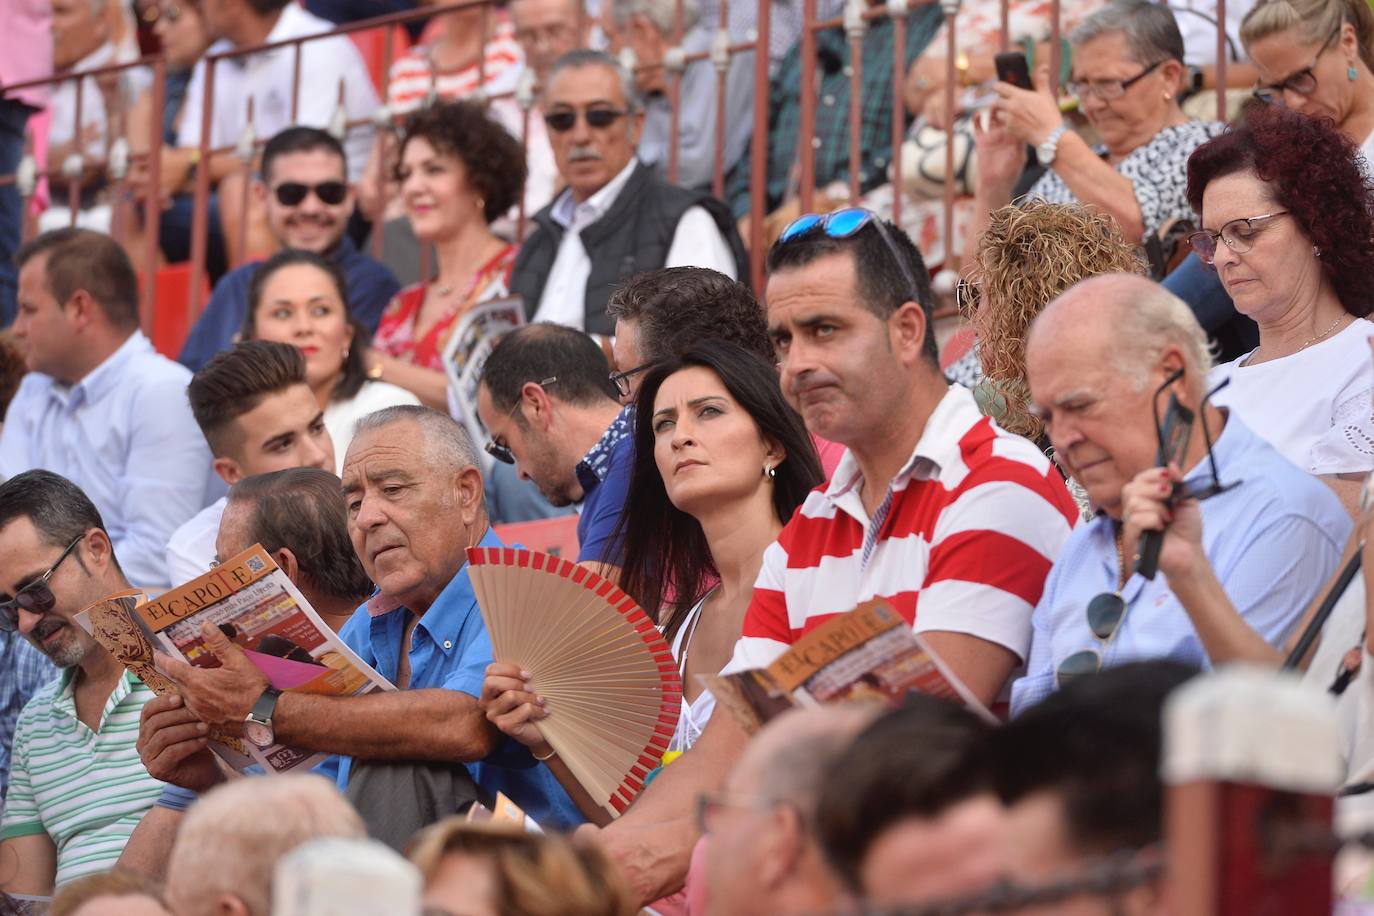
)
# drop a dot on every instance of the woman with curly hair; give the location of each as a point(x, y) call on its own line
point(1287, 216)
point(459, 170)
point(1027, 256)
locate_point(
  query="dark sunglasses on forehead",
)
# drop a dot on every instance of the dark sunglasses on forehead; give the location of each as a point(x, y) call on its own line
point(36, 597)
point(563, 120)
point(842, 224)
point(291, 193)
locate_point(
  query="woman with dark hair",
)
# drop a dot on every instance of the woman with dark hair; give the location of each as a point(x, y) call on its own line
point(1287, 217)
point(721, 463)
point(459, 171)
point(301, 298)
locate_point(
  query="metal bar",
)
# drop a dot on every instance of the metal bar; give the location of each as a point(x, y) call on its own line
point(856, 88)
point(674, 91)
point(951, 78)
point(74, 184)
point(200, 231)
point(152, 203)
point(718, 165)
point(57, 79)
point(524, 148)
point(295, 82)
point(898, 109)
point(758, 151)
point(1004, 36)
point(482, 51)
point(806, 151)
point(1056, 48)
point(1219, 73)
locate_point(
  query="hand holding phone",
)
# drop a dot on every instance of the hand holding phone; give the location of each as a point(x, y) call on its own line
point(1012, 68)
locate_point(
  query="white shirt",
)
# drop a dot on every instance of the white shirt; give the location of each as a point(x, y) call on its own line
point(1197, 23)
point(93, 114)
point(697, 242)
point(191, 550)
point(340, 417)
point(267, 79)
point(125, 435)
point(541, 171)
point(1313, 406)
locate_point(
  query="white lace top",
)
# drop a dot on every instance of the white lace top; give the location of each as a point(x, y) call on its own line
point(694, 716)
point(1314, 406)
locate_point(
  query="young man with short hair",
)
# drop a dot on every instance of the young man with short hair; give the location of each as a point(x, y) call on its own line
point(259, 415)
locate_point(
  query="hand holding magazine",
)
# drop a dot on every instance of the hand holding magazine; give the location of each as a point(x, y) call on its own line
point(869, 653)
point(256, 607)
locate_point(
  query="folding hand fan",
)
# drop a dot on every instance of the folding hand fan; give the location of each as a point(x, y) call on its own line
point(609, 679)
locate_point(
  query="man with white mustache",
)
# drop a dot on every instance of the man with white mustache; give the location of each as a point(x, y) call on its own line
point(614, 218)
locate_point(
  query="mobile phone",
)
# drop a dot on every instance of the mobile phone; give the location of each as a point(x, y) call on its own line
point(1173, 445)
point(1012, 68)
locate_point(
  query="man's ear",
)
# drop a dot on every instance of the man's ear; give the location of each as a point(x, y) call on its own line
point(907, 327)
point(468, 489)
point(781, 847)
point(542, 403)
point(260, 190)
point(231, 905)
point(228, 470)
point(97, 551)
point(286, 559)
point(82, 309)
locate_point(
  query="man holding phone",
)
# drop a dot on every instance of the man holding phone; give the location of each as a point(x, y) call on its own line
point(1247, 536)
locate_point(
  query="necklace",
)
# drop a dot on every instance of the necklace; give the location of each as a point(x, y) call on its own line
point(1311, 340)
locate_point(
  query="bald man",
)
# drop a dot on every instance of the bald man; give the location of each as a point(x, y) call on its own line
point(1238, 563)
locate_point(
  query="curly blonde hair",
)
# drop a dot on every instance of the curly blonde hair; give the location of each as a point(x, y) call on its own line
point(1027, 256)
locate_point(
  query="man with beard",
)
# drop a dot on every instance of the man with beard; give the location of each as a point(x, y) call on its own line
point(615, 218)
point(550, 407)
point(77, 786)
point(308, 201)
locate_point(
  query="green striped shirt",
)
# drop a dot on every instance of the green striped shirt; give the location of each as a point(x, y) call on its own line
point(86, 790)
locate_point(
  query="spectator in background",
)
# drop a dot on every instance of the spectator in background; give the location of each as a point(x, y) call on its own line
point(546, 30)
point(77, 787)
point(115, 893)
point(306, 194)
point(614, 219)
point(649, 28)
point(257, 414)
point(459, 170)
point(231, 840)
point(906, 813)
point(495, 867)
point(99, 405)
point(1101, 360)
point(25, 54)
point(548, 403)
point(12, 371)
point(301, 298)
point(1079, 776)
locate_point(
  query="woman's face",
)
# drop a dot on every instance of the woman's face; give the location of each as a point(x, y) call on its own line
point(1280, 269)
point(434, 186)
point(1287, 56)
point(1133, 119)
point(707, 447)
point(300, 305)
point(182, 33)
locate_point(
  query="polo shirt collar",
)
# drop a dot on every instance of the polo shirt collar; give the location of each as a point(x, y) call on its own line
point(596, 464)
point(104, 377)
point(65, 699)
point(937, 446)
point(454, 604)
point(565, 208)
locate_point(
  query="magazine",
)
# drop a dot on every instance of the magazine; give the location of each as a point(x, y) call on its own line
point(254, 604)
point(869, 653)
point(466, 354)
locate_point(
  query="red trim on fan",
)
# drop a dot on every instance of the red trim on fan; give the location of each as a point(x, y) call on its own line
point(618, 805)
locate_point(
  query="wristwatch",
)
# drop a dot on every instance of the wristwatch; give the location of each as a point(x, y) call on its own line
point(257, 727)
point(1049, 146)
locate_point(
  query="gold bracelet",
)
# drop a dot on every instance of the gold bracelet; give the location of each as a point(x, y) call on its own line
point(545, 757)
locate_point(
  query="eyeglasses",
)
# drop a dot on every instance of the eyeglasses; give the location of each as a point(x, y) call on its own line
point(1107, 611)
point(1238, 234)
point(842, 224)
point(1304, 82)
point(291, 193)
point(36, 597)
point(563, 120)
point(497, 450)
point(1107, 90)
point(709, 806)
point(622, 379)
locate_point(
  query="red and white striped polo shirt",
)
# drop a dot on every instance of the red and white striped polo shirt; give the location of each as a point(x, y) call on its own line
point(413, 75)
point(962, 542)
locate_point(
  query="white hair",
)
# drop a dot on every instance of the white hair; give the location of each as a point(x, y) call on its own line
point(661, 13)
point(1150, 318)
point(447, 442)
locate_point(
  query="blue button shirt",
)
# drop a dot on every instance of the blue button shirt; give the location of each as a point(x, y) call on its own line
point(449, 648)
point(1273, 540)
point(370, 287)
point(23, 669)
point(605, 473)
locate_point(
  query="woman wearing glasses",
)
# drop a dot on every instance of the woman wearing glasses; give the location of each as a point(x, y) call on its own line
point(459, 170)
point(1127, 75)
point(721, 463)
point(1287, 219)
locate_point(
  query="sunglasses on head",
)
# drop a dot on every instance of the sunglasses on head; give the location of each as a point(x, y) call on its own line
point(291, 193)
point(843, 224)
point(563, 120)
point(36, 597)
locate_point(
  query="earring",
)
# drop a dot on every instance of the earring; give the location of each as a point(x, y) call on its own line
point(1351, 73)
point(1316, 251)
point(481, 204)
point(769, 471)
point(1168, 97)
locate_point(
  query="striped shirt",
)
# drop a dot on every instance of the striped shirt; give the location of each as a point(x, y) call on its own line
point(962, 542)
point(86, 790)
point(413, 76)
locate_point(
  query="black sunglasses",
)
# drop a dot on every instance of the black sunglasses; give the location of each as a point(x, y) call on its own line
point(563, 120)
point(1107, 610)
point(36, 597)
point(291, 193)
point(842, 224)
point(499, 450)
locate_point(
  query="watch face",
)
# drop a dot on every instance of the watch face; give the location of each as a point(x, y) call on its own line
point(260, 733)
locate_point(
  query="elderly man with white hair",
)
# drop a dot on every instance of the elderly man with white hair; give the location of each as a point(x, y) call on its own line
point(1247, 540)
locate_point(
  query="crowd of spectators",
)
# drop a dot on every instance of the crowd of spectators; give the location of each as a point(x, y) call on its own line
point(495, 286)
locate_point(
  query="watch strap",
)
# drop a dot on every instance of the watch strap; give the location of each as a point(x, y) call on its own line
point(1049, 147)
point(265, 706)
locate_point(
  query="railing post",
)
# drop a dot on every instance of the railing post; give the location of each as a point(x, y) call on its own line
point(806, 149)
point(854, 29)
point(898, 10)
point(152, 203)
point(951, 11)
point(200, 213)
point(758, 149)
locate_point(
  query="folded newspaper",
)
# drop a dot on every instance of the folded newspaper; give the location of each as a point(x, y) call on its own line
point(465, 355)
point(253, 603)
point(869, 653)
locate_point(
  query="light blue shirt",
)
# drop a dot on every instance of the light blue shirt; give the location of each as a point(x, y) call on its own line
point(126, 436)
point(1273, 541)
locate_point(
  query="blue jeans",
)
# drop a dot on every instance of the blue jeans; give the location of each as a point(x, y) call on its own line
point(1231, 333)
point(13, 116)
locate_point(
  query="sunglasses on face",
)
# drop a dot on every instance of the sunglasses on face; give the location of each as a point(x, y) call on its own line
point(291, 193)
point(842, 224)
point(499, 450)
point(563, 120)
point(36, 597)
